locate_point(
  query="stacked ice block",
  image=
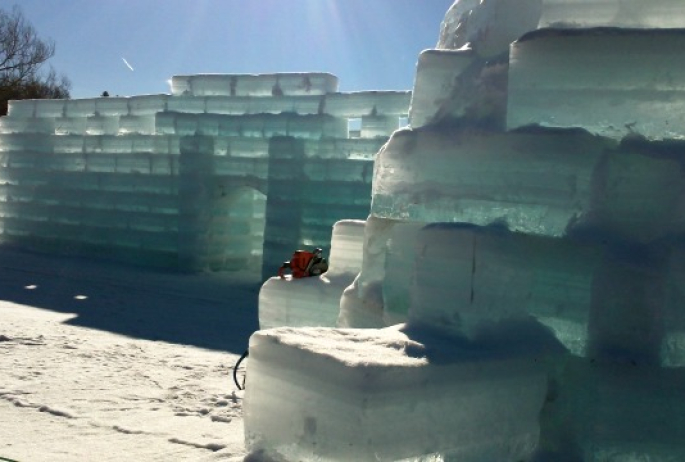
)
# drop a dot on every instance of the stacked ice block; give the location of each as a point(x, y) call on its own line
point(228, 172)
point(534, 212)
point(315, 301)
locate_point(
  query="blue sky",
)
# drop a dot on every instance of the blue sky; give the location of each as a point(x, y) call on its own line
point(368, 44)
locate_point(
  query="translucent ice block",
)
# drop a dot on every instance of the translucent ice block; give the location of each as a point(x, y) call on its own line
point(382, 395)
point(545, 182)
point(102, 125)
point(589, 79)
point(70, 125)
point(49, 108)
point(466, 279)
point(617, 412)
point(437, 76)
point(254, 84)
point(378, 126)
point(613, 13)
point(22, 108)
point(143, 124)
point(17, 124)
point(80, 107)
point(366, 103)
point(488, 27)
point(241, 105)
point(147, 104)
point(315, 301)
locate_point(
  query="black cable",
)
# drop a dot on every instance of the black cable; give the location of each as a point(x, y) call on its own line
point(235, 371)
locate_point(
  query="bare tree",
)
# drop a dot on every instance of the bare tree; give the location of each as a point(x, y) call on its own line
point(22, 55)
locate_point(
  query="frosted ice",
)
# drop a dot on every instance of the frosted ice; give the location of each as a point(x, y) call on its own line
point(589, 79)
point(455, 86)
point(488, 27)
point(315, 301)
point(374, 388)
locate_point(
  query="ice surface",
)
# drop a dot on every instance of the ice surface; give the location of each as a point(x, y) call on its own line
point(437, 73)
point(550, 183)
point(452, 86)
point(242, 105)
point(27, 125)
point(367, 103)
point(488, 27)
point(589, 79)
point(613, 13)
point(376, 391)
point(315, 301)
point(254, 84)
point(362, 302)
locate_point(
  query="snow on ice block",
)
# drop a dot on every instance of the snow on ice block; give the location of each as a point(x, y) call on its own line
point(306, 83)
point(367, 394)
point(588, 79)
point(315, 301)
point(547, 182)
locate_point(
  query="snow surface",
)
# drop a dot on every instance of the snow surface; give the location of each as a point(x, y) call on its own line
point(112, 363)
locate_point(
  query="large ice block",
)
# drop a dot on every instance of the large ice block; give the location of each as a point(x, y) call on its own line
point(437, 74)
point(604, 411)
point(467, 279)
point(242, 105)
point(315, 301)
point(17, 124)
point(544, 182)
point(589, 79)
point(147, 104)
point(306, 83)
point(389, 395)
point(613, 13)
point(456, 87)
point(488, 27)
point(367, 103)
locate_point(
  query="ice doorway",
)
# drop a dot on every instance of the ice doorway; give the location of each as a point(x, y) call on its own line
point(236, 234)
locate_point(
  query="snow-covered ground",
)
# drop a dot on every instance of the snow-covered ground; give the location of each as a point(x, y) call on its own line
point(104, 362)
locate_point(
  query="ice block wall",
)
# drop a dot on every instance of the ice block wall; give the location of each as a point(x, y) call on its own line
point(228, 172)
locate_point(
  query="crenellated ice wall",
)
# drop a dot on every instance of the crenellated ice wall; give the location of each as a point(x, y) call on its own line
point(228, 172)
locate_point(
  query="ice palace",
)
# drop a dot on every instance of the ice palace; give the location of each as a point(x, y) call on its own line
point(514, 293)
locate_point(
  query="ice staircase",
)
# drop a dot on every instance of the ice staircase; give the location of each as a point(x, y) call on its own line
point(526, 234)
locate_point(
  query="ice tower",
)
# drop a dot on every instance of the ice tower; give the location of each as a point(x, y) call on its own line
point(225, 171)
point(522, 267)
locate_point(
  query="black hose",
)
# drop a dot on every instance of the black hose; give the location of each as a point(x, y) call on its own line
point(235, 371)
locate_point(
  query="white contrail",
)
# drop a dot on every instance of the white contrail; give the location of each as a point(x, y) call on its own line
point(127, 64)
